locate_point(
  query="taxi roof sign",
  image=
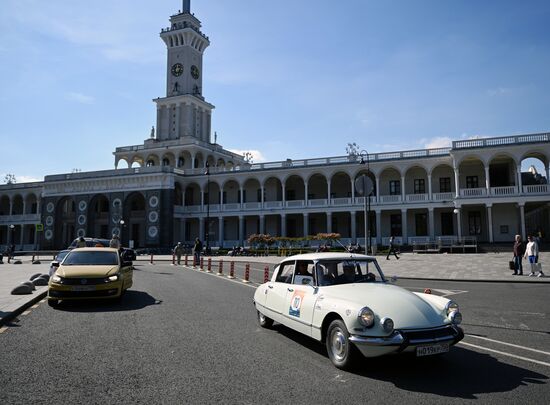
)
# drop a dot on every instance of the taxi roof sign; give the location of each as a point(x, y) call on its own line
point(39, 227)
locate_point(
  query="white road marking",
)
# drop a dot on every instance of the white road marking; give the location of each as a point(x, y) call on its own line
point(26, 312)
point(3, 329)
point(509, 344)
point(505, 354)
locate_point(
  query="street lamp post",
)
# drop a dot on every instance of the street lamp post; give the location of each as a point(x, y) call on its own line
point(207, 236)
point(10, 243)
point(367, 192)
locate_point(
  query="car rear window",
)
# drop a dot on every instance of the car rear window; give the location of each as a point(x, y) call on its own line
point(76, 258)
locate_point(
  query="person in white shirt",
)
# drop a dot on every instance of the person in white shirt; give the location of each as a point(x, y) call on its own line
point(532, 254)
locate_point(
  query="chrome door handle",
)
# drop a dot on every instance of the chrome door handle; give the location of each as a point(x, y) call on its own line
point(269, 286)
point(290, 289)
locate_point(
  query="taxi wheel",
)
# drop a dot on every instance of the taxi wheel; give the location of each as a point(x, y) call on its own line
point(341, 351)
point(53, 303)
point(264, 321)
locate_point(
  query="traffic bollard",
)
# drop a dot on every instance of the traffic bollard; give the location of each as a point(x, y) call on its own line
point(266, 274)
point(209, 268)
point(173, 259)
point(220, 268)
point(246, 273)
point(231, 270)
point(201, 265)
point(151, 261)
point(186, 260)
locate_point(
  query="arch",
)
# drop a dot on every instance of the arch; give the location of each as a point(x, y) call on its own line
point(231, 192)
point(502, 170)
point(168, 159)
point(317, 187)
point(178, 194)
point(340, 185)
point(17, 205)
point(134, 228)
point(252, 190)
point(211, 161)
point(372, 177)
point(471, 172)
point(220, 163)
point(199, 160)
point(184, 160)
point(212, 195)
point(98, 217)
point(390, 181)
point(295, 188)
point(31, 204)
point(5, 205)
point(416, 180)
point(273, 189)
point(192, 194)
point(152, 160)
point(470, 158)
point(443, 178)
point(65, 222)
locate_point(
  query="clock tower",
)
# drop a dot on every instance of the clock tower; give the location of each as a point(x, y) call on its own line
point(183, 112)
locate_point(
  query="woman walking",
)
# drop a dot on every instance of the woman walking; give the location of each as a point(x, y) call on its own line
point(532, 254)
point(519, 250)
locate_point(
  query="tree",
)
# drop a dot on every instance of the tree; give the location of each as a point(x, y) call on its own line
point(10, 178)
point(353, 151)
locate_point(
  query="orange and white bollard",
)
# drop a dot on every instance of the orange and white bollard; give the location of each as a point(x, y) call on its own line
point(231, 270)
point(209, 267)
point(266, 274)
point(246, 273)
point(220, 268)
point(151, 261)
point(202, 264)
point(186, 260)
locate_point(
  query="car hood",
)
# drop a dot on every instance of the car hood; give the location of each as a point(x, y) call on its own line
point(86, 271)
point(406, 309)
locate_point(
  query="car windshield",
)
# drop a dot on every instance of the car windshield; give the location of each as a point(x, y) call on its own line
point(61, 255)
point(335, 272)
point(76, 258)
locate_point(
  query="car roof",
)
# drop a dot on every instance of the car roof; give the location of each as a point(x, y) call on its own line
point(95, 249)
point(327, 256)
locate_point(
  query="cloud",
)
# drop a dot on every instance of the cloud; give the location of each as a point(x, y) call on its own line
point(79, 98)
point(499, 91)
point(257, 156)
point(20, 178)
point(437, 142)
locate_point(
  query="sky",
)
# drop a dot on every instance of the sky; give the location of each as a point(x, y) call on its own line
point(289, 78)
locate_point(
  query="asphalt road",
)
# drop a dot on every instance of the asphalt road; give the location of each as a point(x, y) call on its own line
point(182, 336)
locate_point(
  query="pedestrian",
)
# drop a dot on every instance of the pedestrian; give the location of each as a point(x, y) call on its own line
point(197, 249)
point(532, 254)
point(81, 242)
point(114, 242)
point(392, 249)
point(178, 250)
point(519, 250)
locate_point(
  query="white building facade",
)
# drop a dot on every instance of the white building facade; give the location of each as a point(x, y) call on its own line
point(179, 185)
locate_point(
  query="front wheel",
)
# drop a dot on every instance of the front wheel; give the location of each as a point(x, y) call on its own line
point(264, 321)
point(53, 303)
point(341, 351)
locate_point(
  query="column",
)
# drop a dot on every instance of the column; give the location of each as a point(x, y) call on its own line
point(430, 186)
point(262, 197)
point(21, 239)
point(487, 182)
point(378, 227)
point(328, 191)
point(353, 191)
point(353, 215)
point(220, 230)
point(241, 230)
point(202, 199)
point(403, 188)
point(283, 190)
point(241, 193)
point(329, 222)
point(262, 224)
point(457, 183)
point(520, 182)
point(221, 199)
point(192, 162)
point(178, 119)
point(190, 120)
point(490, 222)
point(404, 231)
point(431, 220)
point(159, 113)
point(11, 207)
point(183, 229)
point(458, 213)
point(283, 225)
point(377, 187)
point(306, 192)
point(547, 174)
point(306, 224)
point(24, 206)
point(201, 228)
point(522, 220)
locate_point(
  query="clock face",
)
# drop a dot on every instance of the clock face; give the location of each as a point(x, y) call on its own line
point(177, 69)
point(195, 72)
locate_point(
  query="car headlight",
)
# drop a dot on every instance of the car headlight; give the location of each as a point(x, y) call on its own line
point(56, 278)
point(113, 278)
point(451, 307)
point(456, 317)
point(366, 317)
point(387, 324)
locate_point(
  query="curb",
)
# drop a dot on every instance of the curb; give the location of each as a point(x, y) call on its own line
point(470, 280)
point(11, 315)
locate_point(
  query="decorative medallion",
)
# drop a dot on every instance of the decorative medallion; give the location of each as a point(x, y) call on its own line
point(81, 219)
point(50, 207)
point(116, 231)
point(153, 201)
point(48, 234)
point(153, 216)
point(82, 205)
point(153, 231)
point(117, 203)
point(81, 232)
point(49, 220)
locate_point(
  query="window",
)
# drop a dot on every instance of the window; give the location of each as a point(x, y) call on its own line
point(395, 187)
point(471, 182)
point(285, 273)
point(474, 223)
point(419, 186)
point(303, 274)
point(259, 195)
point(447, 227)
point(290, 195)
point(421, 223)
point(395, 225)
point(445, 185)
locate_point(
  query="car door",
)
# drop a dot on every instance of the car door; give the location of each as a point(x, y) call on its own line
point(127, 272)
point(300, 298)
point(277, 289)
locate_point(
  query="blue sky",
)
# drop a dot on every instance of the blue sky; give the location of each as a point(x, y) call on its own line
point(289, 78)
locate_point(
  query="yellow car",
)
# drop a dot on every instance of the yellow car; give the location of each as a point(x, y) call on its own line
point(89, 273)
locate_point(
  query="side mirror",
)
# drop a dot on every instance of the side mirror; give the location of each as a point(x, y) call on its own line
point(55, 263)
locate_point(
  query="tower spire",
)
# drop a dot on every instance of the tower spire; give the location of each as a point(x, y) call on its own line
point(186, 7)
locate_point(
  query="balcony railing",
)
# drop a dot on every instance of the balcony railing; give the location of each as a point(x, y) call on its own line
point(20, 219)
point(473, 192)
point(443, 196)
point(417, 197)
point(295, 203)
point(506, 140)
point(252, 205)
point(389, 199)
point(536, 189)
point(504, 191)
point(318, 202)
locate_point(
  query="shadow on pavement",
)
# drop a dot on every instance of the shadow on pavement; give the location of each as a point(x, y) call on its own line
point(462, 373)
point(132, 301)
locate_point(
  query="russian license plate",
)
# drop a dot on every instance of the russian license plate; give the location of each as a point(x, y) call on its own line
point(432, 349)
point(83, 288)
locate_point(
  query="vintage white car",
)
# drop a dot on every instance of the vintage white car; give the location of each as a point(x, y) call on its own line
point(344, 300)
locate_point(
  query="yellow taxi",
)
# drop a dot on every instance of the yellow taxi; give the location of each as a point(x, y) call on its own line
point(90, 273)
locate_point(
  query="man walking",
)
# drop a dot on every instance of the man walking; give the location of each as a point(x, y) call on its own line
point(519, 250)
point(392, 249)
point(178, 250)
point(197, 249)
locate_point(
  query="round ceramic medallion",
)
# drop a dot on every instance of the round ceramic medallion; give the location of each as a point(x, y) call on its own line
point(82, 205)
point(153, 231)
point(153, 201)
point(117, 203)
point(49, 221)
point(153, 216)
point(50, 207)
point(81, 219)
point(81, 232)
point(48, 234)
point(116, 231)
